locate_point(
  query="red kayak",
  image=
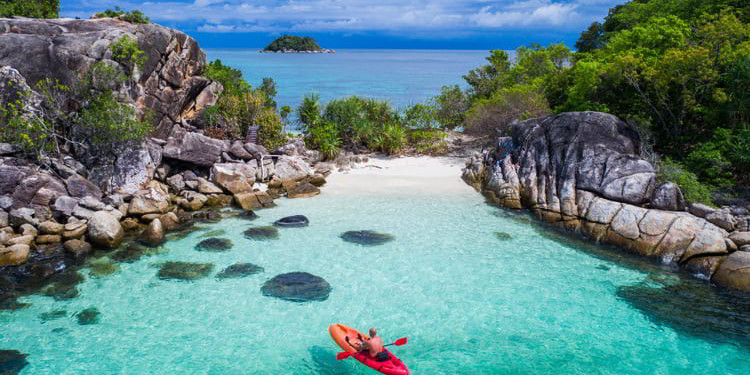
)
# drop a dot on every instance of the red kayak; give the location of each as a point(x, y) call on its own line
point(393, 366)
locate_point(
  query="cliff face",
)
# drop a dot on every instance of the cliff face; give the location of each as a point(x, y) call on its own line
point(169, 83)
point(582, 171)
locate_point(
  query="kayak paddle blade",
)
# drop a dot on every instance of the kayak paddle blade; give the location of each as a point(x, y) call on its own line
point(342, 355)
point(401, 341)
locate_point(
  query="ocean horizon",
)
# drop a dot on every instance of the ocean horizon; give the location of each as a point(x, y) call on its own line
point(401, 76)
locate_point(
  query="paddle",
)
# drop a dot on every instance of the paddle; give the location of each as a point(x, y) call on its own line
point(399, 342)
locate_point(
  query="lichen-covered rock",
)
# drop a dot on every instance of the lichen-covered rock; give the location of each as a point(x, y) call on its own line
point(195, 148)
point(51, 227)
point(297, 287)
point(292, 168)
point(77, 248)
point(104, 230)
point(253, 200)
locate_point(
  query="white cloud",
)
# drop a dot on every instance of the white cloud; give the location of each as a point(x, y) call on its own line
point(396, 16)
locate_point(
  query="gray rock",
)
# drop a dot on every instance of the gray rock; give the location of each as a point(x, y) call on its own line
point(176, 182)
point(292, 168)
point(28, 230)
point(740, 238)
point(83, 212)
point(6, 202)
point(668, 196)
point(206, 187)
point(91, 203)
point(257, 151)
point(104, 230)
point(237, 149)
point(154, 234)
point(65, 205)
point(80, 187)
point(4, 219)
point(235, 178)
point(195, 148)
point(700, 209)
point(722, 219)
point(20, 216)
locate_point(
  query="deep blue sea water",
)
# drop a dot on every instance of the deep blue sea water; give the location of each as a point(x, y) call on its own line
point(402, 77)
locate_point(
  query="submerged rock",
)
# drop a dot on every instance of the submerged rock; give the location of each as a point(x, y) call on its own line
point(184, 270)
point(239, 270)
point(64, 286)
point(297, 287)
point(248, 215)
point(366, 237)
point(262, 233)
point(503, 236)
point(12, 361)
point(88, 316)
point(213, 233)
point(52, 315)
point(134, 251)
point(214, 244)
point(102, 267)
point(292, 221)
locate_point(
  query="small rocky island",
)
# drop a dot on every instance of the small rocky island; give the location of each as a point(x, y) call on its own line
point(295, 44)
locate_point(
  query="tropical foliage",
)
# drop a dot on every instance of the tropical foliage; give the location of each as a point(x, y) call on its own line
point(31, 9)
point(134, 16)
point(240, 107)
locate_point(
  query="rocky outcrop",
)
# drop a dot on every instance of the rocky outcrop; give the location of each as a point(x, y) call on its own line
point(582, 171)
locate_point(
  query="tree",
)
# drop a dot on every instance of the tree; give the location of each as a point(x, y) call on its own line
point(31, 9)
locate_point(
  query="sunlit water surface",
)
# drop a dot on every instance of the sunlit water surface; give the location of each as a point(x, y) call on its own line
point(469, 302)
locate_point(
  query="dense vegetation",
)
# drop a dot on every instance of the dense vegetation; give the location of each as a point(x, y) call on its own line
point(679, 70)
point(294, 43)
point(85, 116)
point(240, 106)
point(134, 16)
point(31, 9)
point(368, 124)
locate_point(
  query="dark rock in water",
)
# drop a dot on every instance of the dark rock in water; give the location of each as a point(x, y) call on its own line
point(248, 215)
point(603, 267)
point(88, 316)
point(207, 216)
point(184, 270)
point(366, 237)
point(213, 233)
point(292, 221)
point(262, 233)
point(239, 270)
point(52, 315)
point(101, 268)
point(214, 244)
point(12, 361)
point(10, 303)
point(297, 287)
point(503, 236)
point(63, 286)
point(694, 308)
point(134, 251)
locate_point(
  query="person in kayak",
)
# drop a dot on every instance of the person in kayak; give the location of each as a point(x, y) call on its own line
point(374, 346)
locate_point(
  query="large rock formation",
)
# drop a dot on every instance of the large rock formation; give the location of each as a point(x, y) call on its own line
point(582, 171)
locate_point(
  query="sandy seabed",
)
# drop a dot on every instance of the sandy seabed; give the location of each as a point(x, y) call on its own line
point(401, 175)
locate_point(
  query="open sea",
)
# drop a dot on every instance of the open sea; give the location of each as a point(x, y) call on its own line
point(402, 77)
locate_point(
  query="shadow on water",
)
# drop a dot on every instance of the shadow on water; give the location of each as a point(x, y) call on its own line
point(669, 297)
point(325, 363)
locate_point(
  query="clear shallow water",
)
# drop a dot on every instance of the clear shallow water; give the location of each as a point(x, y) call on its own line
point(469, 303)
point(402, 77)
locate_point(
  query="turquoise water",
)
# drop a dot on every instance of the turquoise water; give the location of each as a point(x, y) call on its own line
point(402, 77)
point(469, 302)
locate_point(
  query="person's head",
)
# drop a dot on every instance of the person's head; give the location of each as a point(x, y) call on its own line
point(373, 332)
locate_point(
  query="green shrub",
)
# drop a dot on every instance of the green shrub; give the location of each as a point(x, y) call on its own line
point(308, 111)
point(428, 141)
point(105, 122)
point(693, 190)
point(390, 140)
point(325, 138)
point(421, 116)
point(229, 78)
point(451, 106)
point(126, 52)
point(29, 8)
point(134, 16)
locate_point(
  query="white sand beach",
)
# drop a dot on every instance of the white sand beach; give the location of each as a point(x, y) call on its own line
point(401, 175)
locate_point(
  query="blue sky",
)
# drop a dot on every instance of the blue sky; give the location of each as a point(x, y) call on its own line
point(449, 24)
